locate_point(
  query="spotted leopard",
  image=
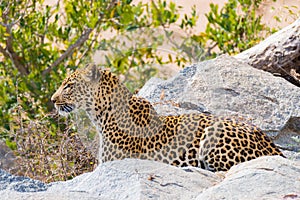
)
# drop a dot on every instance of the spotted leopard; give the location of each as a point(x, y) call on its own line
point(131, 128)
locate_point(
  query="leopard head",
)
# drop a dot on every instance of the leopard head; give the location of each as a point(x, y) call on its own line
point(76, 90)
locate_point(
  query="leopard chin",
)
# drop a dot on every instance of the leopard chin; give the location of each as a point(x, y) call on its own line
point(65, 109)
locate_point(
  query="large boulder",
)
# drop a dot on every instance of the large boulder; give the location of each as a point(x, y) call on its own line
point(226, 86)
point(7, 157)
point(125, 179)
point(264, 178)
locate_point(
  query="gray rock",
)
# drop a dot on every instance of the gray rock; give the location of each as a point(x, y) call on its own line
point(131, 179)
point(270, 177)
point(19, 184)
point(125, 179)
point(227, 87)
point(7, 158)
point(264, 178)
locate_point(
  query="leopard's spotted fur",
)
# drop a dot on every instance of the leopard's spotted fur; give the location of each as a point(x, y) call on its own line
point(131, 128)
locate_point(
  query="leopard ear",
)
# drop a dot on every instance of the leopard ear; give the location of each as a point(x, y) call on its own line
point(92, 73)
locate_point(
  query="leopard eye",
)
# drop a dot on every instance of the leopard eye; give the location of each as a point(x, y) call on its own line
point(68, 85)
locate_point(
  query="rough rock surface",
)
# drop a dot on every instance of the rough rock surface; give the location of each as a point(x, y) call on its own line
point(125, 179)
point(264, 178)
point(7, 158)
point(227, 87)
point(279, 53)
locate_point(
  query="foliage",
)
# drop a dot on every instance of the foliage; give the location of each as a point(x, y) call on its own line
point(235, 27)
point(135, 47)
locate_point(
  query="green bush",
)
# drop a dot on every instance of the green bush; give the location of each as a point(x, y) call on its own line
point(233, 28)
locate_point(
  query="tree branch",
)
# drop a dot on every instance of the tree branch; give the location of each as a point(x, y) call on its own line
point(69, 51)
point(2, 50)
point(9, 52)
point(17, 60)
point(80, 41)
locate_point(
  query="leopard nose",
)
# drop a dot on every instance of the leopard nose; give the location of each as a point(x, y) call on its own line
point(53, 99)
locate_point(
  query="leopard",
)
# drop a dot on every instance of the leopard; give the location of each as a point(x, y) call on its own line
point(130, 127)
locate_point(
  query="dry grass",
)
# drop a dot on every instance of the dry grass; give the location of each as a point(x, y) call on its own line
point(48, 153)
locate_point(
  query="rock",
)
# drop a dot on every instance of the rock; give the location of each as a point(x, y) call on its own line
point(278, 54)
point(270, 177)
point(19, 184)
point(125, 179)
point(7, 157)
point(142, 179)
point(227, 87)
